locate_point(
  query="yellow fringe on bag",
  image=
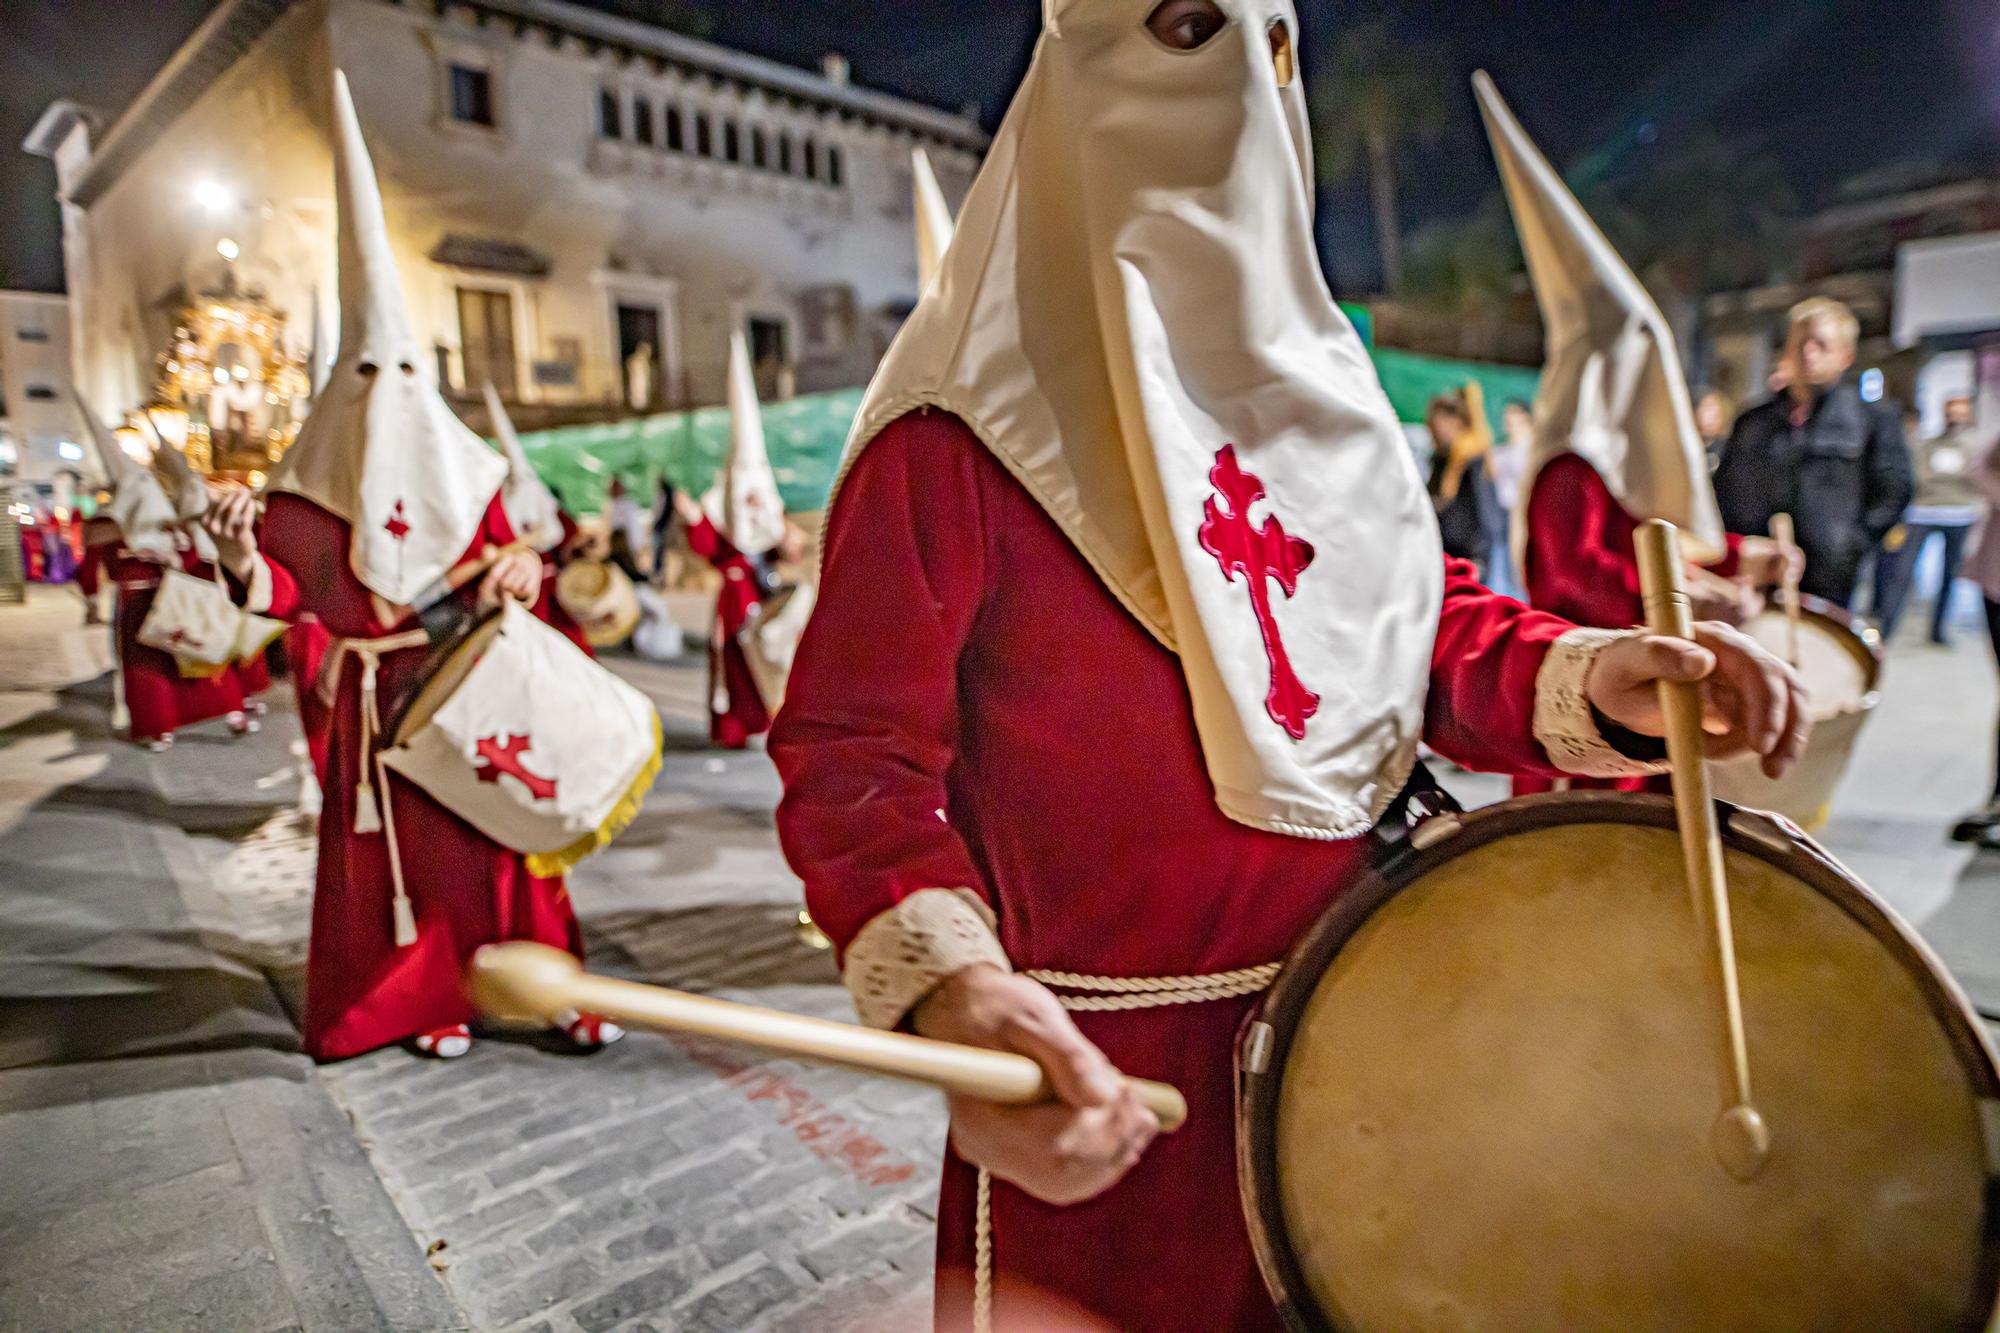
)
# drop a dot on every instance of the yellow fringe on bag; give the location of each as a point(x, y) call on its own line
point(547, 865)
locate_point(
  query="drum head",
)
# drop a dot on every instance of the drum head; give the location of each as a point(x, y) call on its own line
point(1490, 1077)
point(1839, 659)
point(443, 674)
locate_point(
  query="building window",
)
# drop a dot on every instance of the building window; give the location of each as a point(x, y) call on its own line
point(811, 154)
point(32, 335)
point(486, 339)
point(702, 146)
point(41, 393)
point(834, 166)
point(675, 139)
point(732, 142)
point(760, 153)
point(642, 121)
point(610, 121)
point(785, 154)
point(471, 95)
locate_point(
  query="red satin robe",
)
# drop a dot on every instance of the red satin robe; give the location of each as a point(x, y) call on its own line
point(1582, 566)
point(306, 642)
point(160, 700)
point(361, 990)
point(100, 543)
point(970, 707)
point(733, 726)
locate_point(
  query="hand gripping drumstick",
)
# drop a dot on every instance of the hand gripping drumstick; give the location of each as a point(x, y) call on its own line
point(1788, 589)
point(523, 982)
point(1740, 1137)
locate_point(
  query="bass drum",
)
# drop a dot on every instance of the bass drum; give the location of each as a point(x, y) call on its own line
point(1840, 660)
point(1479, 1094)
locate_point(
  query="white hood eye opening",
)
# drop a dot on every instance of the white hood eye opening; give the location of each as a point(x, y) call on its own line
point(1282, 59)
point(1186, 25)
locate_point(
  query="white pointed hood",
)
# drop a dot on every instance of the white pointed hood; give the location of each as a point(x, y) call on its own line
point(1132, 317)
point(139, 505)
point(933, 218)
point(186, 490)
point(532, 508)
point(744, 503)
point(381, 448)
point(1612, 390)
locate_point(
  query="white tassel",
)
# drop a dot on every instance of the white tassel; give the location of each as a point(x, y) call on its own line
point(367, 811)
point(406, 923)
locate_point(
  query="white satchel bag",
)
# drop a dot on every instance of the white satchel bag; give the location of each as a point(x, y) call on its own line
point(194, 620)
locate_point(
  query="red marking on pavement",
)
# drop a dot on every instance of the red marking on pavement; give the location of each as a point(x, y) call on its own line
point(1259, 553)
point(505, 757)
point(826, 1134)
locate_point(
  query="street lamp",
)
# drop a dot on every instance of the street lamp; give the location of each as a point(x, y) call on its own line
point(213, 197)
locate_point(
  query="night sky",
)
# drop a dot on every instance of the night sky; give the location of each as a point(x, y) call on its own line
point(1828, 88)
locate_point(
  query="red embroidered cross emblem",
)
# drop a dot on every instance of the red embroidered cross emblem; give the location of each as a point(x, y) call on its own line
point(180, 638)
point(505, 757)
point(1259, 553)
point(397, 526)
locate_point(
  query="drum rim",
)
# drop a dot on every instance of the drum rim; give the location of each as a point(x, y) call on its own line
point(1856, 633)
point(422, 702)
point(1283, 1004)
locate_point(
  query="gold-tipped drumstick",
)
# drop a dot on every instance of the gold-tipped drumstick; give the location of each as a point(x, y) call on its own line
point(1740, 1137)
point(1788, 586)
point(530, 983)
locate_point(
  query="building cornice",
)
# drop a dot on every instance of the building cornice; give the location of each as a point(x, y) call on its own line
point(235, 26)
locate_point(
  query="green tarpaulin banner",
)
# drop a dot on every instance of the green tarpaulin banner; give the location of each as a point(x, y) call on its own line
point(807, 435)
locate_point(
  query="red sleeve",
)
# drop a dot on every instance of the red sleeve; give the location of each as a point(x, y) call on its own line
point(1581, 565)
point(706, 542)
point(1481, 708)
point(870, 721)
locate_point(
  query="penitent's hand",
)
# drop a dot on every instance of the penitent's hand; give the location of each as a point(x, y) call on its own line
point(1750, 700)
point(518, 575)
point(1063, 1151)
point(1763, 563)
point(232, 521)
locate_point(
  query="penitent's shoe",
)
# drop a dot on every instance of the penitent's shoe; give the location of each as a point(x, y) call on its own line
point(445, 1043)
point(587, 1032)
point(242, 724)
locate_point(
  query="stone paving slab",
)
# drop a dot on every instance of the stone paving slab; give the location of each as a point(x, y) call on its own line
point(167, 1159)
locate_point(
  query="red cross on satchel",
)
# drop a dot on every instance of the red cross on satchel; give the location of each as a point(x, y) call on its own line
point(195, 620)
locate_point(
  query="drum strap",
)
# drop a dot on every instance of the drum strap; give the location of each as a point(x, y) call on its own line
point(1111, 993)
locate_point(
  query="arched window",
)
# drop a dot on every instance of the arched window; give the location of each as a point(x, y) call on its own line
point(811, 155)
point(759, 154)
point(676, 140)
point(703, 143)
point(732, 142)
point(834, 166)
point(642, 121)
point(785, 154)
point(610, 123)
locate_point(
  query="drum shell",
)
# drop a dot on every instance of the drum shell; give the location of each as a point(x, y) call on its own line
point(1269, 1037)
point(1805, 794)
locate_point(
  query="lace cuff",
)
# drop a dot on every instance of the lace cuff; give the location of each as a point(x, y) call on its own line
point(257, 598)
point(903, 954)
point(1563, 721)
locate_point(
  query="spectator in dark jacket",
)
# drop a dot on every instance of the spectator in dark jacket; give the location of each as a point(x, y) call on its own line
point(1839, 466)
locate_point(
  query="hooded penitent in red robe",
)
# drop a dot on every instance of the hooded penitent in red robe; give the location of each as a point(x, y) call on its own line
point(160, 699)
point(972, 709)
point(736, 707)
point(361, 990)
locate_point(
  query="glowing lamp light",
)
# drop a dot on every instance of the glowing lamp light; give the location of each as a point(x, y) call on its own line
point(69, 451)
point(213, 197)
point(171, 423)
point(133, 441)
point(228, 249)
point(1871, 386)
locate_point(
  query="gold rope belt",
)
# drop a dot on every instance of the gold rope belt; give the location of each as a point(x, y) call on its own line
point(371, 815)
point(1103, 993)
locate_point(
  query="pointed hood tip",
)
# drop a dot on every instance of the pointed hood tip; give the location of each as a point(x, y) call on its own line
point(374, 322)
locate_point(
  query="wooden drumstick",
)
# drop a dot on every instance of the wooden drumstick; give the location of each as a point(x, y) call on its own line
point(1788, 587)
point(1740, 1137)
point(530, 983)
